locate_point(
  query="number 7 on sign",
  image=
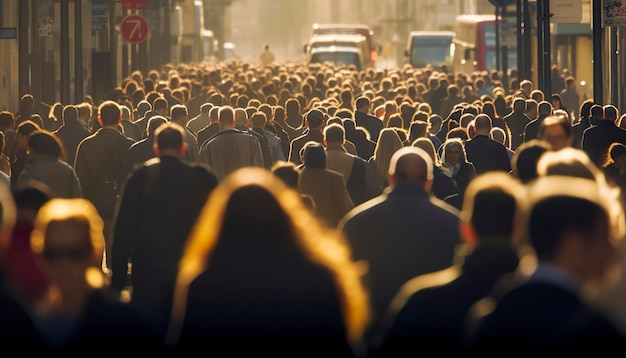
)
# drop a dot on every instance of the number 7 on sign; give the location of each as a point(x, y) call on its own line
point(134, 28)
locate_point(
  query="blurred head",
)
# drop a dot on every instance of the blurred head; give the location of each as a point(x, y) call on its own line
point(411, 165)
point(556, 130)
point(68, 240)
point(490, 209)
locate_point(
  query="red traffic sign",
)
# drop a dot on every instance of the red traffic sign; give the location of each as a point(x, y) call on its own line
point(134, 28)
point(135, 4)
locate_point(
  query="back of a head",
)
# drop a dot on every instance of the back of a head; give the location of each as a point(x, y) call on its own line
point(160, 103)
point(526, 157)
point(314, 118)
point(428, 146)
point(110, 113)
point(334, 133)
point(610, 112)
point(7, 120)
point(288, 173)
point(596, 111)
point(570, 162)
point(482, 123)
point(77, 211)
point(544, 107)
point(226, 115)
point(169, 136)
point(491, 204)
point(563, 204)
point(44, 142)
point(70, 114)
point(411, 165)
point(155, 122)
point(314, 155)
point(178, 112)
point(498, 135)
point(519, 104)
point(27, 127)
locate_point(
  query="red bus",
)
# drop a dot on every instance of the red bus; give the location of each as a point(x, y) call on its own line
point(474, 44)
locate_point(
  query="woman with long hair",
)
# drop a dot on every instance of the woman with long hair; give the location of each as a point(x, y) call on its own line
point(261, 274)
point(388, 143)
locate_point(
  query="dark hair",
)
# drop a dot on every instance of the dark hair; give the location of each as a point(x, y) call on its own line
point(7, 119)
point(27, 127)
point(178, 111)
point(155, 122)
point(70, 114)
point(553, 217)
point(169, 136)
point(314, 155)
point(110, 113)
point(288, 173)
point(334, 133)
point(45, 142)
point(526, 157)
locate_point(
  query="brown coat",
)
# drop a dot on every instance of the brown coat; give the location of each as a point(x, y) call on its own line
point(332, 200)
point(104, 149)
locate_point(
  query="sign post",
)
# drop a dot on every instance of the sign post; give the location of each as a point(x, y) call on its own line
point(134, 28)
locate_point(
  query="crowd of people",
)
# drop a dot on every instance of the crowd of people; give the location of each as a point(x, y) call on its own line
point(309, 210)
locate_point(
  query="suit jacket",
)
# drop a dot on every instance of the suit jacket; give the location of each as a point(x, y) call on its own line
point(371, 123)
point(487, 155)
point(546, 315)
point(102, 151)
point(516, 121)
point(229, 150)
point(597, 139)
point(71, 134)
point(298, 143)
point(431, 310)
point(400, 234)
point(159, 204)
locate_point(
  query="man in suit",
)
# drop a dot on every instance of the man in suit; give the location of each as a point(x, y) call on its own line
point(517, 121)
point(100, 158)
point(403, 232)
point(230, 149)
point(365, 120)
point(314, 120)
point(597, 139)
point(572, 229)
point(159, 204)
point(431, 310)
point(485, 153)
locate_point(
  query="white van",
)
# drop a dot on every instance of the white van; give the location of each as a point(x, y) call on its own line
point(429, 48)
point(338, 46)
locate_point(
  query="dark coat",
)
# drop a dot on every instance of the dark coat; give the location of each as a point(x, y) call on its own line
point(371, 123)
point(101, 155)
point(487, 155)
point(248, 307)
point(158, 207)
point(532, 128)
point(138, 153)
point(516, 121)
point(597, 139)
point(107, 319)
point(434, 313)
point(402, 233)
point(71, 134)
point(298, 143)
point(540, 315)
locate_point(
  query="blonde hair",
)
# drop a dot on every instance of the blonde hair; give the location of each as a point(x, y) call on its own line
point(323, 245)
point(61, 209)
